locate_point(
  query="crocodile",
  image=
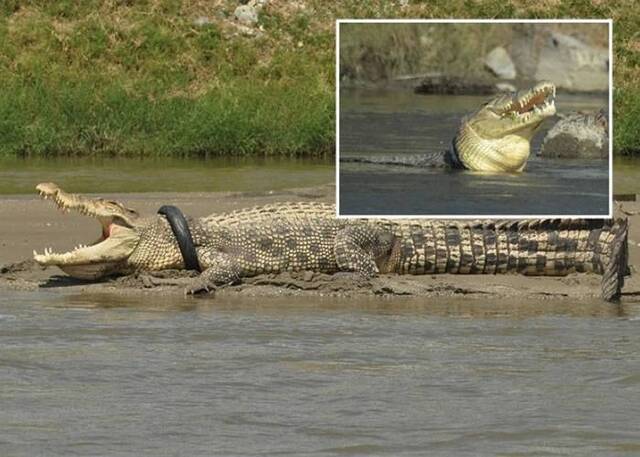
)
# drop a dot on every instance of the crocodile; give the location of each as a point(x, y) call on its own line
point(583, 135)
point(307, 236)
point(495, 138)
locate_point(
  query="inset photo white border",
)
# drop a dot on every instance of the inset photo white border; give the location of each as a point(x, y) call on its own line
point(609, 214)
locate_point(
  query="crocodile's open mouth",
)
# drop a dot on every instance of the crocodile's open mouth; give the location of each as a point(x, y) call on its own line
point(116, 242)
point(538, 101)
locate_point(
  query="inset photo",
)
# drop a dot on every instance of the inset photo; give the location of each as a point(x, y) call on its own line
point(466, 119)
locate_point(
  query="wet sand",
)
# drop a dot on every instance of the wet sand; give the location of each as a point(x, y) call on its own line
point(29, 223)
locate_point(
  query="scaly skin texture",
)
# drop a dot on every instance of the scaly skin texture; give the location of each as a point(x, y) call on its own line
point(495, 138)
point(307, 236)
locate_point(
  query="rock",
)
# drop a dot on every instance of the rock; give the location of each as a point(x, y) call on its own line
point(452, 85)
point(505, 87)
point(201, 21)
point(572, 64)
point(500, 64)
point(247, 31)
point(246, 14)
point(578, 136)
point(524, 48)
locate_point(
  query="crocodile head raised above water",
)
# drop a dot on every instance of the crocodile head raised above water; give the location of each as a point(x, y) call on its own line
point(497, 137)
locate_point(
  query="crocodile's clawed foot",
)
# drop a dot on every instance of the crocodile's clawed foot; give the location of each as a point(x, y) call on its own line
point(148, 280)
point(200, 288)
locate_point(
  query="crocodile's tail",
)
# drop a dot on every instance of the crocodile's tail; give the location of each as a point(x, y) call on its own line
point(616, 266)
point(441, 159)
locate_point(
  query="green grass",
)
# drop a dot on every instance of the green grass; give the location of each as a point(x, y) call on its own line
point(243, 118)
point(97, 77)
point(85, 78)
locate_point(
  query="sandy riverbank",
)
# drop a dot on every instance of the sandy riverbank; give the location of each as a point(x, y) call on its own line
point(30, 223)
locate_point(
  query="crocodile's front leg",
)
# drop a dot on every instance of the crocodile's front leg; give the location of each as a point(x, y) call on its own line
point(361, 249)
point(223, 270)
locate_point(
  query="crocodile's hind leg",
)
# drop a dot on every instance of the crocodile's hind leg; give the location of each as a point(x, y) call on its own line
point(359, 249)
point(224, 270)
point(617, 266)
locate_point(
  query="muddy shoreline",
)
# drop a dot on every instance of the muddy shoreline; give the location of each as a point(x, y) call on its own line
point(31, 223)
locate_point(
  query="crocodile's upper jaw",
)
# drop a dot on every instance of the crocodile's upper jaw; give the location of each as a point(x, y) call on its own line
point(110, 252)
point(497, 137)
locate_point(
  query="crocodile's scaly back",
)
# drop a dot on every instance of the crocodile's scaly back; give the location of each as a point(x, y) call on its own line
point(546, 247)
point(257, 214)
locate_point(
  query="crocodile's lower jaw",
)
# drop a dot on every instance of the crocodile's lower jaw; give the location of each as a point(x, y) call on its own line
point(91, 262)
point(93, 271)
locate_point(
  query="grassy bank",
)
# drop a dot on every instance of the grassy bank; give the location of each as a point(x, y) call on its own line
point(153, 78)
point(144, 78)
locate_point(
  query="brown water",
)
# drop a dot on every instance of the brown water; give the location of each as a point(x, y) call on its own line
point(375, 123)
point(626, 175)
point(92, 374)
point(106, 175)
point(89, 374)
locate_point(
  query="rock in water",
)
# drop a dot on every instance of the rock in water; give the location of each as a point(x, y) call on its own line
point(500, 64)
point(578, 136)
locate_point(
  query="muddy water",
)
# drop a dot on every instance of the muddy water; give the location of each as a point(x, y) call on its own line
point(390, 123)
point(106, 375)
point(626, 175)
point(105, 175)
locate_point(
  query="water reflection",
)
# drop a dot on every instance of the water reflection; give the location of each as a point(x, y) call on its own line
point(456, 307)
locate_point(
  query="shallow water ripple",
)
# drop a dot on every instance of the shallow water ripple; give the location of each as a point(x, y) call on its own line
point(154, 377)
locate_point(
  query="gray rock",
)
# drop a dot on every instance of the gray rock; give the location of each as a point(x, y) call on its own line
point(500, 64)
point(505, 87)
point(572, 64)
point(578, 135)
point(524, 49)
point(201, 21)
point(246, 14)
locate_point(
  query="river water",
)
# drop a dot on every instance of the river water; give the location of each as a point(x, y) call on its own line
point(376, 123)
point(108, 175)
point(85, 374)
point(112, 375)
